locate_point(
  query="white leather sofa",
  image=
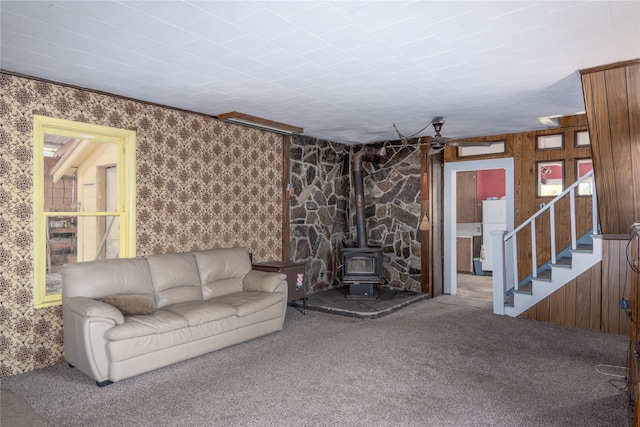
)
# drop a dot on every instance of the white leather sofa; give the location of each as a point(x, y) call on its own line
point(199, 302)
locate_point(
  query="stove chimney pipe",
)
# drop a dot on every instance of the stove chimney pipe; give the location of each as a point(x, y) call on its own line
point(364, 155)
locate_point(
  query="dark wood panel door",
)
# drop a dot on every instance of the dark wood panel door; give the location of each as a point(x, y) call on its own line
point(467, 197)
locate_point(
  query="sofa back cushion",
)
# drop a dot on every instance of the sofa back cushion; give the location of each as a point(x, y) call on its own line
point(222, 270)
point(175, 278)
point(97, 279)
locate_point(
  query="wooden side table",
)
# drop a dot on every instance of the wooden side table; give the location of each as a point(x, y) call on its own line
point(295, 278)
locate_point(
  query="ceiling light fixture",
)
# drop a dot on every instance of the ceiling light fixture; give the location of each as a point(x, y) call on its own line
point(550, 121)
point(259, 123)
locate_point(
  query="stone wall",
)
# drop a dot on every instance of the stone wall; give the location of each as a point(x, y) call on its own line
point(392, 196)
point(323, 211)
point(319, 207)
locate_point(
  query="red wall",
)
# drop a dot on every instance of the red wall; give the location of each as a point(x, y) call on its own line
point(491, 183)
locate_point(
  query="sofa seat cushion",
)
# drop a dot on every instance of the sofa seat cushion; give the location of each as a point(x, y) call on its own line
point(199, 312)
point(249, 302)
point(150, 324)
point(176, 342)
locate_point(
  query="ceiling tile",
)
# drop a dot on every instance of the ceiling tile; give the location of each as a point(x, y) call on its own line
point(266, 25)
point(459, 27)
point(376, 15)
point(373, 52)
point(348, 68)
point(422, 48)
point(494, 9)
point(162, 32)
point(280, 59)
point(177, 13)
point(476, 43)
point(118, 14)
point(320, 19)
point(32, 9)
point(229, 11)
point(77, 23)
point(206, 49)
point(519, 21)
point(408, 31)
point(578, 15)
point(164, 52)
point(286, 8)
point(251, 46)
point(24, 25)
point(393, 64)
point(214, 29)
point(349, 38)
point(299, 42)
point(239, 63)
point(326, 56)
point(430, 12)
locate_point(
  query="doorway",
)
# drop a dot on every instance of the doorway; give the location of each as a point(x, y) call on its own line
point(450, 208)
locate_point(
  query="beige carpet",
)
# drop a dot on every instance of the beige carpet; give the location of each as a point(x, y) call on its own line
point(438, 362)
point(16, 412)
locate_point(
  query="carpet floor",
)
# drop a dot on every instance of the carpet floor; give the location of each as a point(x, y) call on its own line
point(439, 362)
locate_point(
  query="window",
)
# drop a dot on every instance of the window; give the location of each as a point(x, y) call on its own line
point(550, 178)
point(582, 139)
point(550, 142)
point(84, 199)
point(583, 166)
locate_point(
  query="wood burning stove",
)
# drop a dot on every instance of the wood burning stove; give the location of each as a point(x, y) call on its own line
point(361, 263)
point(362, 270)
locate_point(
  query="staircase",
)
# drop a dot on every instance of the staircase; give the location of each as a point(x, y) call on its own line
point(511, 296)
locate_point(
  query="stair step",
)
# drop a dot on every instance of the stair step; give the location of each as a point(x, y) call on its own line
point(544, 274)
point(583, 247)
point(565, 261)
point(527, 288)
point(509, 301)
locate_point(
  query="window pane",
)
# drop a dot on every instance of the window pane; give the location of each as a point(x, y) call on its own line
point(583, 166)
point(75, 239)
point(80, 174)
point(98, 238)
point(550, 178)
point(62, 248)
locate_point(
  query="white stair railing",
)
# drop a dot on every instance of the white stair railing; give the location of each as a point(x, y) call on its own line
point(503, 240)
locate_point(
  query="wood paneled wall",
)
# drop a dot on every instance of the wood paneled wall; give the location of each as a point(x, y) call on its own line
point(578, 304)
point(612, 100)
point(522, 147)
point(634, 332)
point(634, 259)
point(592, 300)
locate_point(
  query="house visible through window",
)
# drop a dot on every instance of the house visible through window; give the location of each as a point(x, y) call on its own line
point(84, 187)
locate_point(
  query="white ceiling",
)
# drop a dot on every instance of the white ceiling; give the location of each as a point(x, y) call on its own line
point(345, 71)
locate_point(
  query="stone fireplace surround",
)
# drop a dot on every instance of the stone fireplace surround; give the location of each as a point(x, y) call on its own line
point(323, 211)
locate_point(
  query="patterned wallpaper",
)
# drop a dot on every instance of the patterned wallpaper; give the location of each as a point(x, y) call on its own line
point(201, 184)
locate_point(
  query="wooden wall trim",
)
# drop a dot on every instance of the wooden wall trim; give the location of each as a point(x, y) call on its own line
point(286, 203)
point(615, 236)
point(425, 241)
point(600, 68)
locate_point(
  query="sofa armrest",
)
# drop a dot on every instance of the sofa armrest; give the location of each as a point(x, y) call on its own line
point(264, 281)
point(87, 307)
point(85, 322)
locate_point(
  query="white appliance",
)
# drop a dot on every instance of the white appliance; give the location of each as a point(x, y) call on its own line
point(494, 217)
